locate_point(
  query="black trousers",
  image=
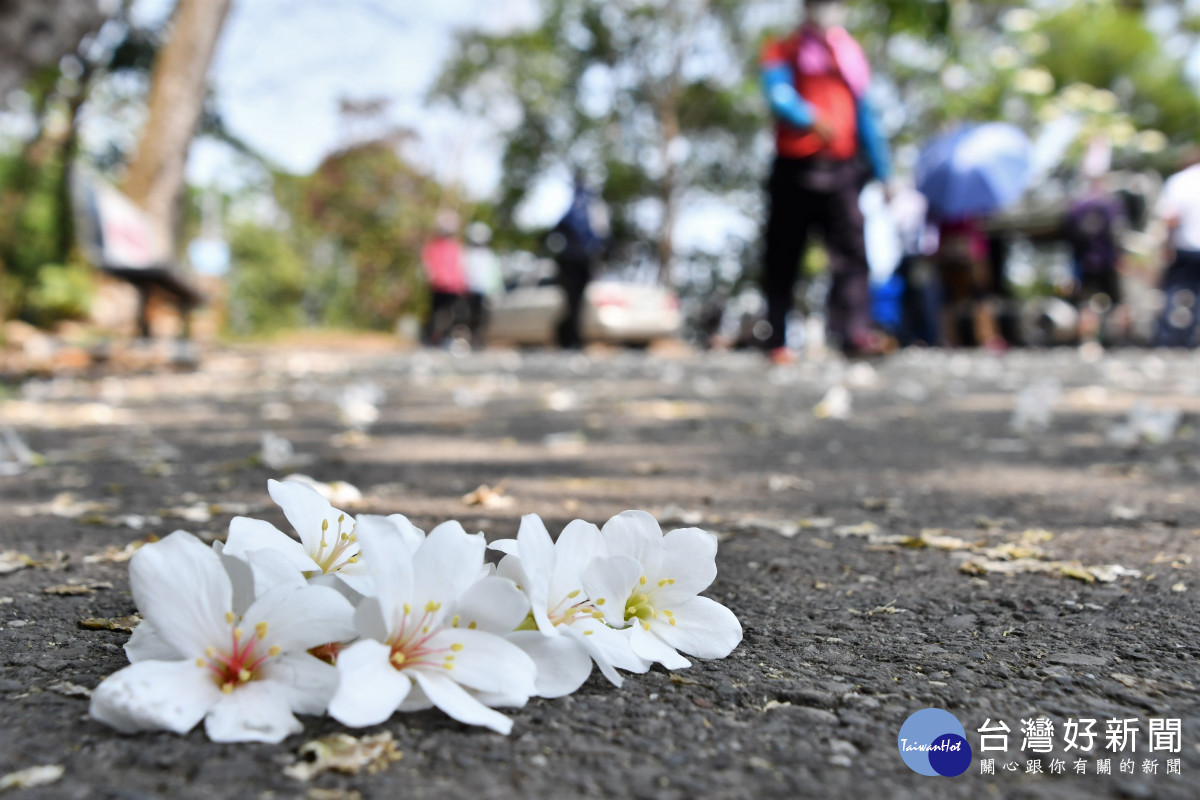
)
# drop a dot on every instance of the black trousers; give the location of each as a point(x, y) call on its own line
point(807, 193)
point(574, 274)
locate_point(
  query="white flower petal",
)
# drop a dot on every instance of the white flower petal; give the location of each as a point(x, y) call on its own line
point(609, 582)
point(703, 628)
point(253, 712)
point(412, 535)
point(390, 565)
point(147, 645)
point(576, 546)
point(272, 569)
point(155, 695)
point(446, 564)
point(485, 662)
point(308, 682)
point(494, 604)
point(562, 662)
point(457, 703)
point(417, 700)
point(610, 649)
point(369, 687)
point(306, 510)
point(638, 535)
point(689, 559)
point(368, 620)
point(240, 578)
point(359, 583)
point(182, 589)
point(511, 567)
point(298, 619)
point(506, 546)
point(537, 557)
point(246, 535)
point(654, 649)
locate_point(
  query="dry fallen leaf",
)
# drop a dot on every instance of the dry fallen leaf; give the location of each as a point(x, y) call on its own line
point(118, 555)
point(341, 752)
point(11, 561)
point(32, 776)
point(68, 689)
point(487, 497)
point(77, 588)
point(126, 624)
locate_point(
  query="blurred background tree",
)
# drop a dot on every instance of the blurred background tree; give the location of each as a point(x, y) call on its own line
point(654, 100)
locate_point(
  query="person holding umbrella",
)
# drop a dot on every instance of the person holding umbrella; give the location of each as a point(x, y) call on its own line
point(828, 143)
point(965, 175)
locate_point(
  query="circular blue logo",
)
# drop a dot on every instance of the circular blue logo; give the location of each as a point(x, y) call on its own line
point(933, 742)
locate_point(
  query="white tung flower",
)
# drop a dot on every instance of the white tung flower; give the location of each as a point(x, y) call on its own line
point(328, 544)
point(196, 657)
point(425, 638)
point(564, 631)
point(649, 585)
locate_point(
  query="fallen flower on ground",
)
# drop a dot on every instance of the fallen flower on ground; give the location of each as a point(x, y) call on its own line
point(564, 631)
point(195, 658)
point(422, 642)
point(328, 544)
point(649, 586)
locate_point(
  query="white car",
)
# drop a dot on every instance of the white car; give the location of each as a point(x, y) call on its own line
point(614, 311)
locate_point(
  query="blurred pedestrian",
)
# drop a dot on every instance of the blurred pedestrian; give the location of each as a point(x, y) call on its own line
point(1179, 207)
point(969, 315)
point(921, 302)
point(442, 260)
point(577, 242)
point(1091, 228)
point(828, 143)
point(484, 280)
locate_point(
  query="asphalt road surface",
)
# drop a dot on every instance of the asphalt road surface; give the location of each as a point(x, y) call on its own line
point(893, 545)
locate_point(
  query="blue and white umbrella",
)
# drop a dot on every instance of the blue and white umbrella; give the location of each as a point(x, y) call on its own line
point(974, 170)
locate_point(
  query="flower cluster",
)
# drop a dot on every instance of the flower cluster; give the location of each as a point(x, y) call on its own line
point(364, 617)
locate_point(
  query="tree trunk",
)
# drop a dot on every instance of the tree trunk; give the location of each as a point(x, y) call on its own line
point(177, 89)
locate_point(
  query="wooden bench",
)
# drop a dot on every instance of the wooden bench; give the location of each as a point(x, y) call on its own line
point(120, 240)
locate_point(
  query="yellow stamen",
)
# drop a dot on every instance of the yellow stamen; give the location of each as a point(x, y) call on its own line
point(642, 580)
point(670, 581)
point(210, 651)
point(456, 647)
point(341, 518)
point(646, 625)
point(573, 595)
point(432, 606)
point(245, 675)
point(668, 613)
point(662, 583)
point(227, 688)
point(454, 622)
point(352, 560)
point(274, 651)
point(407, 608)
point(450, 657)
point(471, 626)
point(598, 615)
point(200, 662)
point(600, 602)
point(631, 610)
point(229, 618)
point(398, 659)
point(448, 666)
point(237, 634)
point(324, 526)
point(425, 629)
point(588, 633)
point(671, 620)
point(261, 630)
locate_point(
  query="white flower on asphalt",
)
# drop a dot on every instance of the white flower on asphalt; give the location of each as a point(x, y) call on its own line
point(564, 632)
point(425, 638)
point(328, 544)
point(245, 674)
point(649, 585)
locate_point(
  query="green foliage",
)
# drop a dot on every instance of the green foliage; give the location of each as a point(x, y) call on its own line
point(266, 283)
point(659, 98)
point(60, 292)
